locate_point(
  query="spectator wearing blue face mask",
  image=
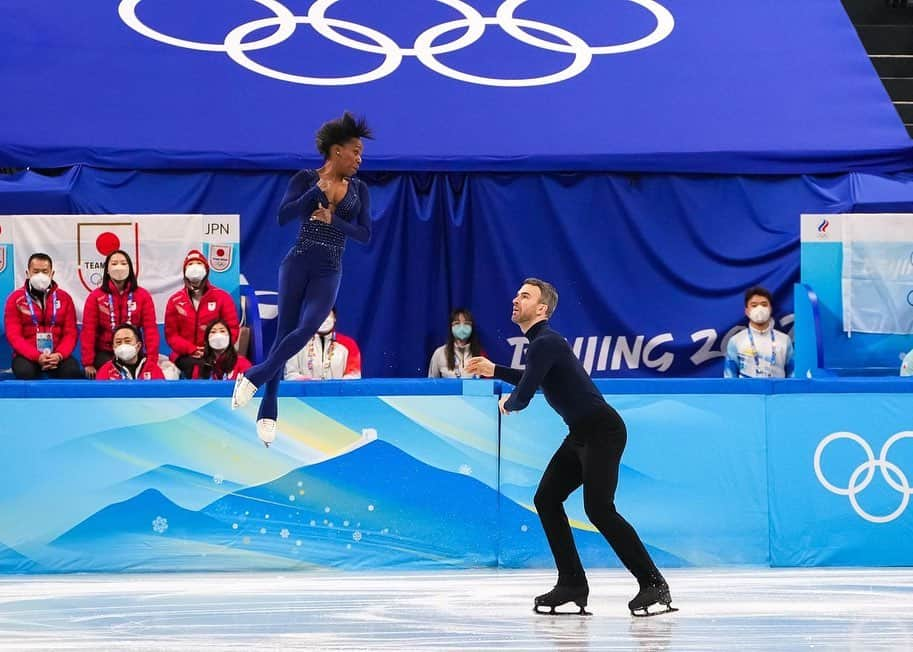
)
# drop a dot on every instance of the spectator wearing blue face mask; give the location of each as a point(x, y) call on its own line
point(449, 360)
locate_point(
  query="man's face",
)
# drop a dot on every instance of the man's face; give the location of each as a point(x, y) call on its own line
point(40, 267)
point(125, 336)
point(526, 306)
point(756, 301)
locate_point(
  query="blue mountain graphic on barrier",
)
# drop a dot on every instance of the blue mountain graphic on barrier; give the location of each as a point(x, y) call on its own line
point(138, 516)
point(14, 562)
point(183, 486)
point(374, 507)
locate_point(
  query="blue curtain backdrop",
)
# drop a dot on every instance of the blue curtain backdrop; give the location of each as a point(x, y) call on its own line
point(650, 269)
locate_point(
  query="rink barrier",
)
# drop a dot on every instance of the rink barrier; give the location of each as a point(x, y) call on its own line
point(422, 474)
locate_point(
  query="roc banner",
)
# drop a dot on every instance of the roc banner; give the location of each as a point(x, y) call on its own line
point(877, 278)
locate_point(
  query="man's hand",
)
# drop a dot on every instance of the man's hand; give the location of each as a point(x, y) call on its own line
point(501, 403)
point(198, 353)
point(480, 366)
point(91, 371)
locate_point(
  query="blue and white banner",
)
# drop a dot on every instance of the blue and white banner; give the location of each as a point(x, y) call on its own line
point(822, 328)
point(490, 85)
point(877, 273)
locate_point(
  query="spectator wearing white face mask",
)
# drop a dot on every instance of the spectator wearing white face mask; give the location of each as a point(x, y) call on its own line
point(329, 355)
point(40, 324)
point(118, 300)
point(130, 361)
point(449, 360)
point(759, 351)
point(191, 309)
point(220, 361)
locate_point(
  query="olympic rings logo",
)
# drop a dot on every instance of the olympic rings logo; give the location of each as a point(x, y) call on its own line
point(889, 471)
point(424, 48)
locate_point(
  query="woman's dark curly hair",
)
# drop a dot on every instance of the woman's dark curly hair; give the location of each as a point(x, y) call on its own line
point(340, 131)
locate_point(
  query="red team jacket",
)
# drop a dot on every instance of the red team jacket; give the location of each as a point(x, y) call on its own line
point(185, 326)
point(21, 329)
point(97, 334)
point(146, 370)
point(242, 364)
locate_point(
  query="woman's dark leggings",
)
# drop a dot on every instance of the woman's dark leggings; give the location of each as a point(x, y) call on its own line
point(590, 455)
point(308, 283)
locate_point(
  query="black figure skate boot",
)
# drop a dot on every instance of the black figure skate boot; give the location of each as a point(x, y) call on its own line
point(654, 591)
point(568, 589)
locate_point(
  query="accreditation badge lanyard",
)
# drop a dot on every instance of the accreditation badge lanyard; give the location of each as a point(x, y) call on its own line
point(31, 304)
point(326, 353)
point(754, 351)
point(125, 373)
point(111, 310)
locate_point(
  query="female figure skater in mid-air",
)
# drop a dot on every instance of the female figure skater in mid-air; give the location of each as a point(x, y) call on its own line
point(332, 205)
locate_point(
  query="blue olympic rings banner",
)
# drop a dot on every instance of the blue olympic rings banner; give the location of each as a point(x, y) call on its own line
point(840, 481)
point(243, 83)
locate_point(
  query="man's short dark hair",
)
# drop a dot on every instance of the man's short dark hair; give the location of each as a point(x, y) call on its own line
point(758, 291)
point(42, 257)
point(549, 295)
point(128, 327)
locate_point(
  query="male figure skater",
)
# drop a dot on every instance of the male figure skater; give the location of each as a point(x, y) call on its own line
point(590, 455)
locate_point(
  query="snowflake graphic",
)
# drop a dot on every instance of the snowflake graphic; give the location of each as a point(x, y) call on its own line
point(218, 479)
point(160, 524)
point(356, 536)
point(465, 469)
point(284, 533)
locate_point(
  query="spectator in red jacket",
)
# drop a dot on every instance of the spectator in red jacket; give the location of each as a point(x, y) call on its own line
point(40, 324)
point(328, 355)
point(190, 310)
point(118, 300)
point(220, 360)
point(130, 361)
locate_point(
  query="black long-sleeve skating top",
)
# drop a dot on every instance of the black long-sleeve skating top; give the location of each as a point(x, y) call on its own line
point(552, 365)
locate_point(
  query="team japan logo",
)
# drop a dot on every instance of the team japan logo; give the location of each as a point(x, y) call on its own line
point(95, 240)
point(863, 475)
point(426, 48)
point(220, 257)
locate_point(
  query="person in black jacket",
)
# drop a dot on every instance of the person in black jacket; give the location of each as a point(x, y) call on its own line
point(590, 455)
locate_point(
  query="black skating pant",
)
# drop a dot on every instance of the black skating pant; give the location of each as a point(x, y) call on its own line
point(590, 455)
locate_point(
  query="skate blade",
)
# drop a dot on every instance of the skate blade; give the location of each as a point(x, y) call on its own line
point(552, 612)
point(646, 613)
